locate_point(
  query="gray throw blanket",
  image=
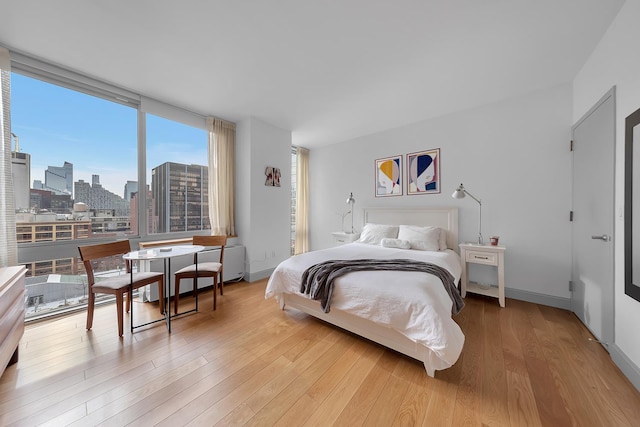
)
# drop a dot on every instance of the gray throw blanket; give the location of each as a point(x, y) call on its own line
point(317, 280)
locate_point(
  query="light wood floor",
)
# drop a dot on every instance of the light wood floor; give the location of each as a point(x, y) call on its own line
point(250, 363)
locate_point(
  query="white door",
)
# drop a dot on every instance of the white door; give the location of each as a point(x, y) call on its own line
point(593, 216)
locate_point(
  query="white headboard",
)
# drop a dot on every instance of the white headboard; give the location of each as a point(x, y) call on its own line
point(445, 218)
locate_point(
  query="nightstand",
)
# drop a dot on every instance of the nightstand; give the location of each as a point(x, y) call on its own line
point(341, 238)
point(486, 255)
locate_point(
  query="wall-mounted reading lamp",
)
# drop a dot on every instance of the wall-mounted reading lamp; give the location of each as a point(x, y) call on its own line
point(460, 193)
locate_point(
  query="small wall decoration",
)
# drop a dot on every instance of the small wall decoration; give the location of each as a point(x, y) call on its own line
point(389, 176)
point(276, 177)
point(423, 172)
point(273, 177)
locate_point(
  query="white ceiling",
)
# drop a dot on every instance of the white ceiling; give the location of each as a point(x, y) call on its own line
point(328, 70)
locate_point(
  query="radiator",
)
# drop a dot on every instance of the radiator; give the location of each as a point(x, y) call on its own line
point(233, 270)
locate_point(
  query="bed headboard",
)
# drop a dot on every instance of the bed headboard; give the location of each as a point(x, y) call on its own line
point(445, 218)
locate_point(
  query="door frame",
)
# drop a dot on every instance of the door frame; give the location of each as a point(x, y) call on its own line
point(611, 93)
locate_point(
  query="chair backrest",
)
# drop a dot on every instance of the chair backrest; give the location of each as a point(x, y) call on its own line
point(104, 250)
point(212, 241)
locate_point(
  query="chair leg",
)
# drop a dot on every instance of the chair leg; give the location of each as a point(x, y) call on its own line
point(176, 296)
point(119, 300)
point(90, 306)
point(221, 284)
point(215, 286)
point(128, 301)
point(161, 295)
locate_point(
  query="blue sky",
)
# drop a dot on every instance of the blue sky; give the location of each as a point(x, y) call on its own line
point(55, 125)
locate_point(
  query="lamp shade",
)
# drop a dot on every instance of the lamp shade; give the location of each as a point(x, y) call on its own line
point(350, 199)
point(459, 193)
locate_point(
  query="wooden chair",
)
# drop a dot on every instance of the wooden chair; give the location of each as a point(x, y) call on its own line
point(205, 269)
point(116, 285)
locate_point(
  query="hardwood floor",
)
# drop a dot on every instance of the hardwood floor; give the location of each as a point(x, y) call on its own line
point(250, 363)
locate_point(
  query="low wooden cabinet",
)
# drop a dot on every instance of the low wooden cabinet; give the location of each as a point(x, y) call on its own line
point(12, 309)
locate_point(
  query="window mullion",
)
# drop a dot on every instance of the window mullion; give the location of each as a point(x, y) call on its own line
point(142, 175)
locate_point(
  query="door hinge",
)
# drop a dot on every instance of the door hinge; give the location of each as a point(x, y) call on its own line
point(570, 285)
point(571, 145)
point(570, 216)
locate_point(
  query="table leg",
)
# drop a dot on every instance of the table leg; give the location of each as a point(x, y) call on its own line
point(196, 279)
point(166, 301)
point(131, 296)
point(167, 279)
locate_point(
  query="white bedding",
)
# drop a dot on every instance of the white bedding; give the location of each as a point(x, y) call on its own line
point(413, 303)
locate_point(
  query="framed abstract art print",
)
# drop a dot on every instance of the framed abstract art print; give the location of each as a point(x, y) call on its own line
point(423, 172)
point(389, 176)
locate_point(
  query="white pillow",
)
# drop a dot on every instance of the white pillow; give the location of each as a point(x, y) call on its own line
point(420, 238)
point(395, 243)
point(443, 239)
point(374, 233)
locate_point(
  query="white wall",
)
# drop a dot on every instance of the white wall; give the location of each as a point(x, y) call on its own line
point(262, 213)
point(616, 61)
point(514, 155)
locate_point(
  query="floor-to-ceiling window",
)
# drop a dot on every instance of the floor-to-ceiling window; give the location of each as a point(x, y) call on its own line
point(92, 163)
point(73, 153)
point(177, 172)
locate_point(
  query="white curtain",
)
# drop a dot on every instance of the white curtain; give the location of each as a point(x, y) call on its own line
point(301, 244)
point(9, 254)
point(222, 141)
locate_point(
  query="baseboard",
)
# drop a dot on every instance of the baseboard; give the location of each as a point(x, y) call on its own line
point(258, 275)
point(551, 301)
point(628, 368)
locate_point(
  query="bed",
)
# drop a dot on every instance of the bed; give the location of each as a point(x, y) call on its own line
point(407, 311)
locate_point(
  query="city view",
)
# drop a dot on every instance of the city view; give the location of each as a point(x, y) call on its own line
point(75, 175)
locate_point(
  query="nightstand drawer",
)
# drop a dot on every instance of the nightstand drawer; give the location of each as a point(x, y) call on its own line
point(489, 258)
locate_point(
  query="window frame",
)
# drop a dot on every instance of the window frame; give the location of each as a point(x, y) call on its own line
point(30, 252)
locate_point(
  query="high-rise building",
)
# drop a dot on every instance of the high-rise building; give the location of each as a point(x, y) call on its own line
point(40, 199)
point(98, 198)
point(180, 197)
point(57, 179)
point(152, 226)
point(129, 188)
point(47, 200)
point(61, 203)
point(21, 173)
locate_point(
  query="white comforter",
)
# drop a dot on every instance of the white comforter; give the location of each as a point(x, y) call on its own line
point(413, 303)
